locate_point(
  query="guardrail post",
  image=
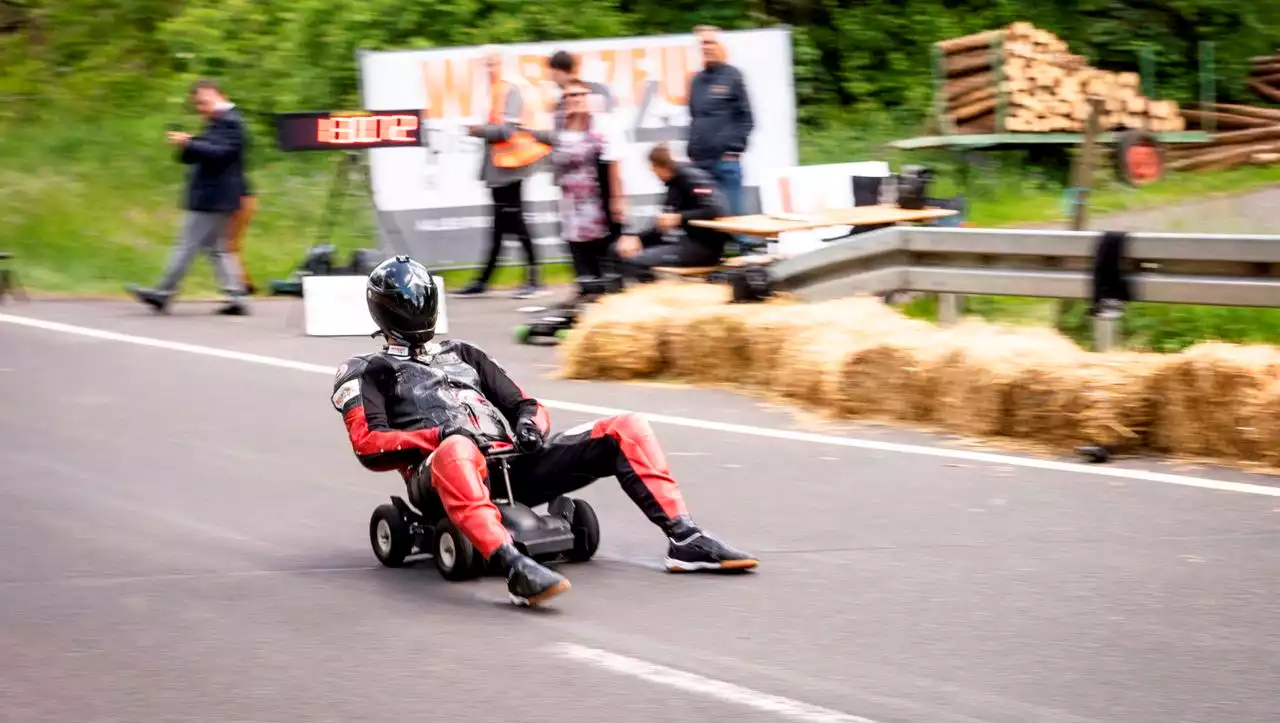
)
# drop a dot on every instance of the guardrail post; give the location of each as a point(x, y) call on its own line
point(1106, 331)
point(948, 309)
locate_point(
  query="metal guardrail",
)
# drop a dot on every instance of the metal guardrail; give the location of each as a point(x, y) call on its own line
point(1207, 269)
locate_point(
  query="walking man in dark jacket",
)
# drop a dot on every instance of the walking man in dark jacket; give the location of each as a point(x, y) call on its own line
point(720, 118)
point(214, 191)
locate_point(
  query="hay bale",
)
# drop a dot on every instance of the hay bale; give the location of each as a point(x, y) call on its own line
point(622, 336)
point(1205, 394)
point(799, 356)
point(712, 345)
point(892, 378)
point(809, 371)
point(1260, 423)
point(1088, 399)
point(982, 364)
point(857, 357)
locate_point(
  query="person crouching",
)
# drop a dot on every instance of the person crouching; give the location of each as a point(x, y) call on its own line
point(692, 195)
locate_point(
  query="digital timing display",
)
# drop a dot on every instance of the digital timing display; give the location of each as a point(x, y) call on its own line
point(342, 130)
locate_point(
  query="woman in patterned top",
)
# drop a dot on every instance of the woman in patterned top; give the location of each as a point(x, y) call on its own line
point(579, 148)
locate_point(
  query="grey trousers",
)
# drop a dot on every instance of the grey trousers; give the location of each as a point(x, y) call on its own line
point(207, 232)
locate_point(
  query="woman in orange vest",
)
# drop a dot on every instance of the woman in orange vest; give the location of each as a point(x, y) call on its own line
point(509, 158)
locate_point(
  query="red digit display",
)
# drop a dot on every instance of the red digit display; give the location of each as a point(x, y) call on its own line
point(333, 130)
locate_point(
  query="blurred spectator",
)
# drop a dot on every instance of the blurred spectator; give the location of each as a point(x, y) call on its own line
point(509, 158)
point(691, 196)
point(581, 150)
point(214, 189)
point(720, 119)
point(564, 68)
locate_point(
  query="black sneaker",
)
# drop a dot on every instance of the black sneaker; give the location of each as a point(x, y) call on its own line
point(150, 297)
point(528, 291)
point(473, 289)
point(529, 583)
point(700, 551)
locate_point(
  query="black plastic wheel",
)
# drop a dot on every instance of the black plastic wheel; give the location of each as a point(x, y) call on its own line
point(586, 532)
point(390, 535)
point(456, 558)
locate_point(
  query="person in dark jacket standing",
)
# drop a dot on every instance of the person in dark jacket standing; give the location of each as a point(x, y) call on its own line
point(720, 118)
point(673, 241)
point(214, 191)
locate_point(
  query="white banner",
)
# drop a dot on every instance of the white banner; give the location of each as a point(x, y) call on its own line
point(436, 190)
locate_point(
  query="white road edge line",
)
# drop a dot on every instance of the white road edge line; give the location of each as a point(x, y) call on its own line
point(709, 687)
point(742, 429)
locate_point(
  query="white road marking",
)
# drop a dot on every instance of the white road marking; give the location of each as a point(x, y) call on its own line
point(178, 576)
point(704, 424)
point(709, 687)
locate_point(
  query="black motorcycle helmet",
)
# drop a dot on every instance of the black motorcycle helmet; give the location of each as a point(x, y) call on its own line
point(403, 300)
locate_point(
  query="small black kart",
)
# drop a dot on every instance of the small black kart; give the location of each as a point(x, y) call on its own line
point(568, 532)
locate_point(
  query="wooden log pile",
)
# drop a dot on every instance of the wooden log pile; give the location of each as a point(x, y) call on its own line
point(1249, 135)
point(1264, 76)
point(1044, 87)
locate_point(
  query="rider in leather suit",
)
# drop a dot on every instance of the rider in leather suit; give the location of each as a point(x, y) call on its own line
point(425, 409)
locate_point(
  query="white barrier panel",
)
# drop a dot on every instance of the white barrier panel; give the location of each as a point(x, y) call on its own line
point(434, 194)
point(813, 189)
point(336, 306)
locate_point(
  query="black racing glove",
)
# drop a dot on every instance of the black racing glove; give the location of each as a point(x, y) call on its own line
point(529, 438)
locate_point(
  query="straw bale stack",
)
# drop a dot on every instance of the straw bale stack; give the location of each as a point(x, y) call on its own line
point(807, 372)
point(625, 335)
point(858, 358)
point(892, 376)
point(981, 367)
point(713, 344)
point(1101, 399)
point(1208, 402)
point(1261, 415)
point(802, 362)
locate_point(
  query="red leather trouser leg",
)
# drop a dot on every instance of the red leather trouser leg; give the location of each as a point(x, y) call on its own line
point(457, 475)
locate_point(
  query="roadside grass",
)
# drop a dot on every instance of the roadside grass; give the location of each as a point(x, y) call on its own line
point(94, 205)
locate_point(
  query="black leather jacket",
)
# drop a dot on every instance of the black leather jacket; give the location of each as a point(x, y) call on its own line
point(396, 403)
point(693, 194)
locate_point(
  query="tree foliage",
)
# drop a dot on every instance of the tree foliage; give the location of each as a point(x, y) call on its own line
point(865, 54)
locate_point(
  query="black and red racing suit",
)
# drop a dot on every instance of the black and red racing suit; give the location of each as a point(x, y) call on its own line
point(400, 408)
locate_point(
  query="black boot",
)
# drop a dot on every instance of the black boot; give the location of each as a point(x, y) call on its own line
point(690, 549)
point(155, 299)
point(528, 582)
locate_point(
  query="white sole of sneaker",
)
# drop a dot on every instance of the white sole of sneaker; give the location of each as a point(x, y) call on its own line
point(539, 599)
point(674, 565)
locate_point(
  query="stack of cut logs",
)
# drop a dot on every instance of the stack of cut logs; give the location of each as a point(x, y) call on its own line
point(1250, 135)
point(1045, 88)
point(1264, 76)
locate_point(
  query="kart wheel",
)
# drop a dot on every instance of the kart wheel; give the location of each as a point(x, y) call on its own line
point(456, 558)
point(390, 536)
point(562, 334)
point(586, 532)
point(522, 333)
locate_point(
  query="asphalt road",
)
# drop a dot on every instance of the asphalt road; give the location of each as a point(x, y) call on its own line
point(184, 539)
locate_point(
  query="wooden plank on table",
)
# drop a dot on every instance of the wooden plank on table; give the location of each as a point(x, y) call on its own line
point(766, 225)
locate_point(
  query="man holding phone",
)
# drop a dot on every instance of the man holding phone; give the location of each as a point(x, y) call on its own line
point(214, 190)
